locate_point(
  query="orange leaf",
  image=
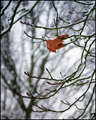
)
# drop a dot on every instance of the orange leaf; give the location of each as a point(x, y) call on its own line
point(55, 44)
point(63, 36)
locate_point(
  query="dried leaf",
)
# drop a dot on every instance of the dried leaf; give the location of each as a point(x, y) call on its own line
point(55, 44)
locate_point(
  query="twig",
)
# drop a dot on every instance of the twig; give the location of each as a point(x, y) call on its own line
point(33, 37)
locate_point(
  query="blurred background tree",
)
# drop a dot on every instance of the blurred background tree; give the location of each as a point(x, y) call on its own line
point(36, 83)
